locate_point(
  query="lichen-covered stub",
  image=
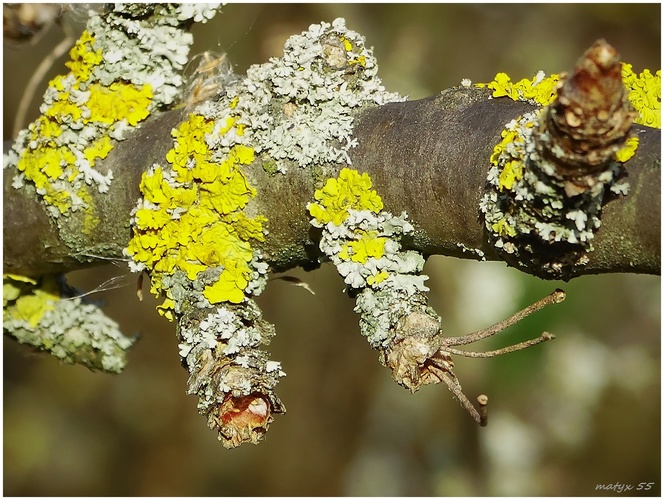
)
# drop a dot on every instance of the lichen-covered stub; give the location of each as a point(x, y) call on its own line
point(125, 65)
point(231, 373)
point(529, 209)
point(364, 243)
point(36, 313)
point(194, 237)
point(197, 230)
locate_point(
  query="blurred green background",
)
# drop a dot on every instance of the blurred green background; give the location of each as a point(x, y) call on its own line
point(564, 417)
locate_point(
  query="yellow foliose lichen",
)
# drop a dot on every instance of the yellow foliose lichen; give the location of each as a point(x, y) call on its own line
point(368, 246)
point(120, 101)
point(23, 300)
point(628, 150)
point(645, 94)
point(540, 89)
point(83, 57)
point(193, 219)
point(60, 164)
point(351, 191)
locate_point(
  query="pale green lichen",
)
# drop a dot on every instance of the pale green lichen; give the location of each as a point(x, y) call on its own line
point(518, 177)
point(36, 313)
point(300, 107)
point(233, 333)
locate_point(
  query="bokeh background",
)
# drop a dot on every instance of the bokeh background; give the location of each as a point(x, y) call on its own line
point(566, 416)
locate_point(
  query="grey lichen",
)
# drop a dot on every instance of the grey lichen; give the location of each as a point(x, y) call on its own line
point(528, 209)
point(300, 107)
point(73, 331)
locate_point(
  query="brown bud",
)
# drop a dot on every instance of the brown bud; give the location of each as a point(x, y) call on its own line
point(591, 118)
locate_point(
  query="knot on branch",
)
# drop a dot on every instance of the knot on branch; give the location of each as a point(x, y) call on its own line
point(413, 354)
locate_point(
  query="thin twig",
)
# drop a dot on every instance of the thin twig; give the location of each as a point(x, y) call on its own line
point(512, 348)
point(483, 400)
point(58, 51)
point(454, 386)
point(555, 297)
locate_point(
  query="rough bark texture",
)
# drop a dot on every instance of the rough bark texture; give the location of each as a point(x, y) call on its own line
point(428, 157)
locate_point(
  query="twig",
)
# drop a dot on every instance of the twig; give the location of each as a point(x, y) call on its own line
point(58, 51)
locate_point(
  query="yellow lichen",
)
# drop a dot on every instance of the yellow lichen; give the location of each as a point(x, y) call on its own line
point(628, 150)
point(98, 149)
point(120, 101)
point(503, 228)
point(25, 301)
point(377, 278)
point(540, 89)
point(369, 245)
point(512, 170)
point(83, 57)
point(200, 223)
point(645, 94)
point(351, 191)
point(57, 169)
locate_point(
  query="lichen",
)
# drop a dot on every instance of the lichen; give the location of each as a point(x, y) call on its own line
point(645, 94)
point(300, 107)
point(540, 90)
point(364, 243)
point(191, 217)
point(124, 66)
point(528, 205)
point(36, 312)
point(296, 108)
point(196, 231)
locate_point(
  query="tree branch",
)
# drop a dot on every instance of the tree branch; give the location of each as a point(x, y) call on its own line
point(251, 173)
point(428, 157)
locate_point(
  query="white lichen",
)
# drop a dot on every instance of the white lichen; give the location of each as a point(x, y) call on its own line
point(300, 107)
